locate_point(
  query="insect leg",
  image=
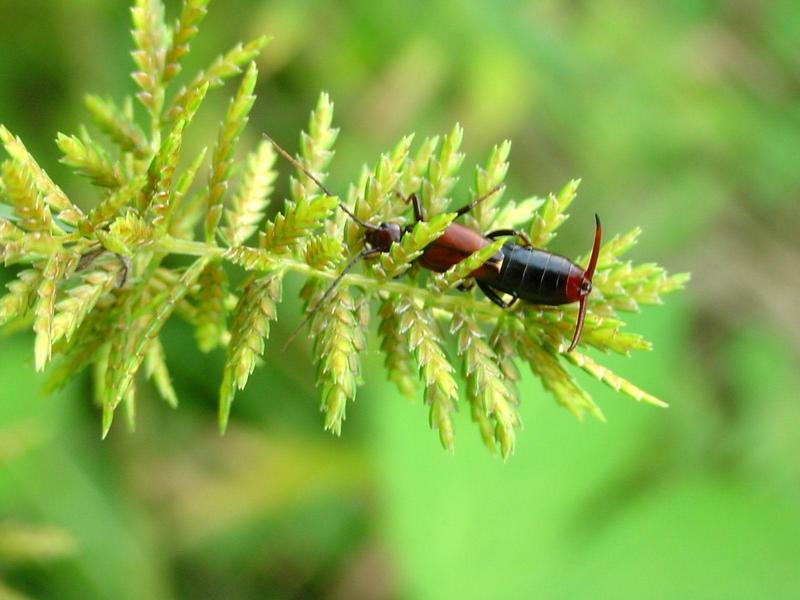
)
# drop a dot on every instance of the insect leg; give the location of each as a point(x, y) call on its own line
point(510, 233)
point(492, 295)
point(419, 215)
point(122, 277)
point(88, 258)
point(366, 253)
point(466, 285)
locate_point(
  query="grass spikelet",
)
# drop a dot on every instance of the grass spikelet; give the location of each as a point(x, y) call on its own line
point(28, 204)
point(90, 160)
point(9, 232)
point(251, 259)
point(315, 148)
point(149, 36)
point(185, 214)
point(398, 359)
point(246, 209)
point(83, 349)
point(487, 392)
point(164, 279)
point(603, 333)
point(249, 332)
point(298, 220)
point(415, 168)
point(11, 252)
point(338, 340)
point(28, 247)
point(213, 286)
point(156, 369)
point(129, 403)
point(99, 370)
point(621, 285)
point(545, 364)
point(425, 342)
point(503, 342)
point(52, 195)
point(513, 214)
point(441, 175)
point(224, 67)
point(57, 268)
point(379, 187)
point(160, 176)
point(612, 380)
point(235, 120)
point(625, 287)
point(155, 315)
point(123, 330)
point(110, 206)
point(488, 178)
point(614, 248)
point(323, 252)
point(552, 214)
point(21, 293)
point(162, 202)
point(192, 14)
point(125, 234)
point(82, 298)
point(113, 121)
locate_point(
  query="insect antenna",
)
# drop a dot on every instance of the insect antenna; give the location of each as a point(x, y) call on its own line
point(588, 274)
point(300, 167)
point(310, 312)
point(465, 209)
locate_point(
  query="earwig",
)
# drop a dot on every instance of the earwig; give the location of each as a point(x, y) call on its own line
point(519, 270)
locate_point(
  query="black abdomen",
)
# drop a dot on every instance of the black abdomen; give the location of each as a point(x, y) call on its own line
point(533, 275)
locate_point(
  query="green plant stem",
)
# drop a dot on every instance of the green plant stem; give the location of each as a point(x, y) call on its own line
point(444, 302)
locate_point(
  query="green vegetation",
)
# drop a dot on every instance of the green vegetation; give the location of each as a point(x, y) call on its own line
point(678, 118)
point(110, 313)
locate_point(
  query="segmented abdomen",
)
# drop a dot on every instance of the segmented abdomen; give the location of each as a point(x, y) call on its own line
point(534, 275)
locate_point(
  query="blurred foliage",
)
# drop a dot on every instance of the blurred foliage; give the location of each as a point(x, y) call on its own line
point(682, 117)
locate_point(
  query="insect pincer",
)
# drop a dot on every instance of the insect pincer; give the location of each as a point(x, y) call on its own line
point(586, 284)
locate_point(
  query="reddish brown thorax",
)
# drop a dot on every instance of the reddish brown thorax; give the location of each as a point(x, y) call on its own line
point(456, 243)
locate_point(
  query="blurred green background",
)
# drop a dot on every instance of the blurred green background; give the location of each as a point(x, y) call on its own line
point(681, 117)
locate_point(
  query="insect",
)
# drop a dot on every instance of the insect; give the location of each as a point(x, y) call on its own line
point(517, 269)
